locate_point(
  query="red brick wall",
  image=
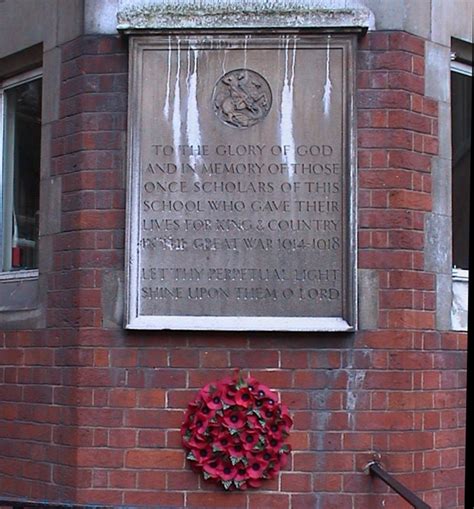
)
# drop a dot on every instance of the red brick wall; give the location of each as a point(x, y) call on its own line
point(91, 415)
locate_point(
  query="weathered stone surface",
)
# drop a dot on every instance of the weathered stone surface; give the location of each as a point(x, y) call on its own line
point(437, 237)
point(368, 299)
point(240, 183)
point(244, 14)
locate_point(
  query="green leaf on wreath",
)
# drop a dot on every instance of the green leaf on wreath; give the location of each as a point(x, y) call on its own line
point(225, 406)
point(284, 448)
point(227, 484)
point(240, 382)
point(233, 431)
point(244, 460)
point(234, 460)
point(191, 456)
point(238, 484)
point(206, 475)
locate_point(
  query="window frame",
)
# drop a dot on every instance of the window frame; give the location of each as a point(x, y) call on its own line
point(6, 85)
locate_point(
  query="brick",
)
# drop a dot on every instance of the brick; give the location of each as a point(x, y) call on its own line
point(122, 398)
point(175, 480)
point(122, 479)
point(231, 500)
point(409, 160)
point(152, 398)
point(409, 120)
point(407, 42)
point(430, 107)
point(151, 438)
point(273, 500)
point(296, 482)
point(184, 358)
point(214, 359)
point(327, 482)
point(404, 239)
point(155, 499)
point(411, 319)
point(377, 40)
point(383, 99)
point(383, 421)
point(412, 280)
point(310, 379)
point(153, 418)
point(380, 259)
point(384, 179)
point(122, 438)
point(254, 358)
point(386, 138)
point(430, 145)
point(385, 219)
point(400, 299)
point(155, 458)
point(411, 360)
point(388, 380)
point(99, 457)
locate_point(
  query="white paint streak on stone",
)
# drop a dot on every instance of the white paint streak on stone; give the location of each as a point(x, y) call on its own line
point(166, 108)
point(286, 107)
point(355, 382)
point(177, 101)
point(224, 58)
point(328, 84)
point(246, 42)
point(193, 128)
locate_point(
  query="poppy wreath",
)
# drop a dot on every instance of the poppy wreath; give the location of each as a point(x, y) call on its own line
point(234, 432)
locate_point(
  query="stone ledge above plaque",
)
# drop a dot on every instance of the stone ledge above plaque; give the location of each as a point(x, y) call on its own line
point(241, 181)
point(217, 14)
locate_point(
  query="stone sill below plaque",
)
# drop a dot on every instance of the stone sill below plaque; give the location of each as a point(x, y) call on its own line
point(242, 323)
point(244, 14)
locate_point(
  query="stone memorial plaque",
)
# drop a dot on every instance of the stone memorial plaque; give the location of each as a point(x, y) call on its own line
point(240, 211)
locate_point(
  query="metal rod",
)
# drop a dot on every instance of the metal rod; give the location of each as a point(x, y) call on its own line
point(403, 491)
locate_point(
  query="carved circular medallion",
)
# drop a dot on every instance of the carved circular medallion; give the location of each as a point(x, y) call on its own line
point(242, 98)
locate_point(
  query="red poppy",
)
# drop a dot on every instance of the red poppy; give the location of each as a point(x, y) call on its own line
point(250, 439)
point(256, 467)
point(263, 392)
point(227, 471)
point(200, 423)
point(204, 455)
point(234, 419)
point(221, 439)
point(236, 450)
point(197, 442)
point(241, 473)
point(254, 483)
point(273, 444)
point(212, 467)
point(244, 397)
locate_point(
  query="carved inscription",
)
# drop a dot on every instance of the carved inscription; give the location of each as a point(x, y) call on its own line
point(241, 200)
point(246, 215)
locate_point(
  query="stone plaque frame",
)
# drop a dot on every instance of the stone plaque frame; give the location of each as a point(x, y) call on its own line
point(343, 41)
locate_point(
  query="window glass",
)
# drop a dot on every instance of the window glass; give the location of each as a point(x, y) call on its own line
point(21, 175)
point(461, 111)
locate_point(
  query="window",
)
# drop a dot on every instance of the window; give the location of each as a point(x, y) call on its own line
point(20, 129)
point(461, 118)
